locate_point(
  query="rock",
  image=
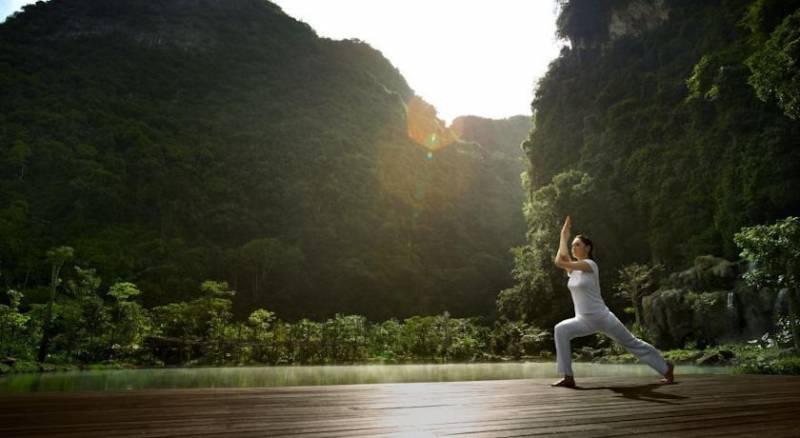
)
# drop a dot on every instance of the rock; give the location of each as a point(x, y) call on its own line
point(483, 357)
point(667, 317)
point(716, 358)
point(727, 354)
point(707, 273)
point(636, 18)
point(586, 354)
point(695, 356)
point(711, 320)
point(710, 359)
point(675, 316)
point(758, 311)
point(708, 304)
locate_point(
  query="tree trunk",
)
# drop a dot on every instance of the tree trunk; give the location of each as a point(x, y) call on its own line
point(637, 311)
point(45, 343)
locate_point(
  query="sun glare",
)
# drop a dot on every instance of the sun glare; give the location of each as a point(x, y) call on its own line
point(425, 128)
point(465, 57)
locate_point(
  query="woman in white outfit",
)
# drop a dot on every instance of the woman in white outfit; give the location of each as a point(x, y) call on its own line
point(591, 314)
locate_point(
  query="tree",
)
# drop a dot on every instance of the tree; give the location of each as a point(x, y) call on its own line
point(131, 322)
point(11, 322)
point(636, 282)
point(56, 257)
point(385, 338)
point(775, 261)
point(215, 309)
point(305, 341)
point(420, 338)
point(775, 67)
point(261, 322)
point(90, 328)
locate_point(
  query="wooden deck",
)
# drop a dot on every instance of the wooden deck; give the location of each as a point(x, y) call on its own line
point(709, 405)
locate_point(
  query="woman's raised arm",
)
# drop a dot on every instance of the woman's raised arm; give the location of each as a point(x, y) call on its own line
point(563, 260)
point(563, 249)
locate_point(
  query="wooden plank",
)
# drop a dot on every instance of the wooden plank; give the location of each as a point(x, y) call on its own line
point(697, 406)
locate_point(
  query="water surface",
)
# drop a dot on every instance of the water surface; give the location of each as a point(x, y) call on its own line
point(233, 377)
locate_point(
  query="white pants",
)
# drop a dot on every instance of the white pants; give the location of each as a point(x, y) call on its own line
point(608, 324)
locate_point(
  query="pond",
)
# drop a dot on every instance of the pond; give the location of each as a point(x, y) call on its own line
point(227, 377)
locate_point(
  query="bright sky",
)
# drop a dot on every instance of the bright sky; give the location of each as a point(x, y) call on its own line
point(9, 6)
point(466, 57)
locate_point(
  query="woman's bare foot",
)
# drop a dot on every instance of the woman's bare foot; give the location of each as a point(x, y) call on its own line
point(669, 376)
point(566, 382)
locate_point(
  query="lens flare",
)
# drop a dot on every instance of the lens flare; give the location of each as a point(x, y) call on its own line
point(424, 127)
point(431, 172)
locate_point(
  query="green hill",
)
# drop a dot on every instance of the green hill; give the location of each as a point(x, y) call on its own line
point(174, 141)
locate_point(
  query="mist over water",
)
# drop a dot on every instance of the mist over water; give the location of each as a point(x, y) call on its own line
point(249, 377)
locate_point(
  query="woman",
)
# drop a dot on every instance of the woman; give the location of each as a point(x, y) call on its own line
point(591, 313)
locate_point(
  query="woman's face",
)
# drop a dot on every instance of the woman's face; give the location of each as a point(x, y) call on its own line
point(579, 249)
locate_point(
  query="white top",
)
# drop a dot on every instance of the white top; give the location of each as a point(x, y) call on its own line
point(585, 289)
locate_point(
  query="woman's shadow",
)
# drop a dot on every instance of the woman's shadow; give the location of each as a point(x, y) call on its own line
point(640, 392)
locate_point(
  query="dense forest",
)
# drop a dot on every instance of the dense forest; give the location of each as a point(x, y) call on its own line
point(171, 142)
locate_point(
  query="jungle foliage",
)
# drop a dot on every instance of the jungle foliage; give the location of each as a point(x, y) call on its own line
point(88, 324)
point(663, 128)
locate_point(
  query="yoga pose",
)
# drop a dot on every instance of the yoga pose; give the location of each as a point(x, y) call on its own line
point(591, 313)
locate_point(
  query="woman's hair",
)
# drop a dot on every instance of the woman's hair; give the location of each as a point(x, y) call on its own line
point(587, 241)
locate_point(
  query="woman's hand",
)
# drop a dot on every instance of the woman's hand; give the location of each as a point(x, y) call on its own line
point(565, 230)
point(563, 251)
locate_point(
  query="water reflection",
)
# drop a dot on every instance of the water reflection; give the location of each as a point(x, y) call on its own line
point(121, 380)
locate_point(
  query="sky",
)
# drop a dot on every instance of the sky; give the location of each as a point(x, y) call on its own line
point(466, 57)
point(7, 7)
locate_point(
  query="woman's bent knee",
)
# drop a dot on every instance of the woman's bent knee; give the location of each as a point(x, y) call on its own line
point(557, 331)
point(560, 329)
